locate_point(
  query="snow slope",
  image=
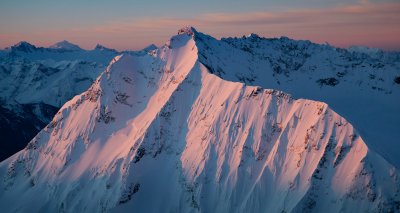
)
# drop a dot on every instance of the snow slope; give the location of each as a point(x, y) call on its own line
point(35, 82)
point(162, 133)
point(360, 84)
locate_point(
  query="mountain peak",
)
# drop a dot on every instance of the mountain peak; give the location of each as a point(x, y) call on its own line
point(23, 43)
point(150, 47)
point(101, 47)
point(252, 35)
point(66, 45)
point(189, 30)
point(24, 46)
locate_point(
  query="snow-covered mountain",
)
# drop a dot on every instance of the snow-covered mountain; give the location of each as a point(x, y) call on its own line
point(167, 132)
point(66, 46)
point(35, 82)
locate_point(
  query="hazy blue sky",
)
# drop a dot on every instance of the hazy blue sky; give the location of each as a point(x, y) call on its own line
point(124, 24)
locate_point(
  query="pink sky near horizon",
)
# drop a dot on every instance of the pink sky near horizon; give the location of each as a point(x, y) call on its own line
point(368, 24)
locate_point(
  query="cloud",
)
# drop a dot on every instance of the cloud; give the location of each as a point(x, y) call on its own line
point(363, 23)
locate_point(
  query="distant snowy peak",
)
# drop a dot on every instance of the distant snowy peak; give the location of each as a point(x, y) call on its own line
point(66, 45)
point(23, 46)
point(252, 35)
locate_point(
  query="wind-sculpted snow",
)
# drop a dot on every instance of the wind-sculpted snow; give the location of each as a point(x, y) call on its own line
point(161, 133)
